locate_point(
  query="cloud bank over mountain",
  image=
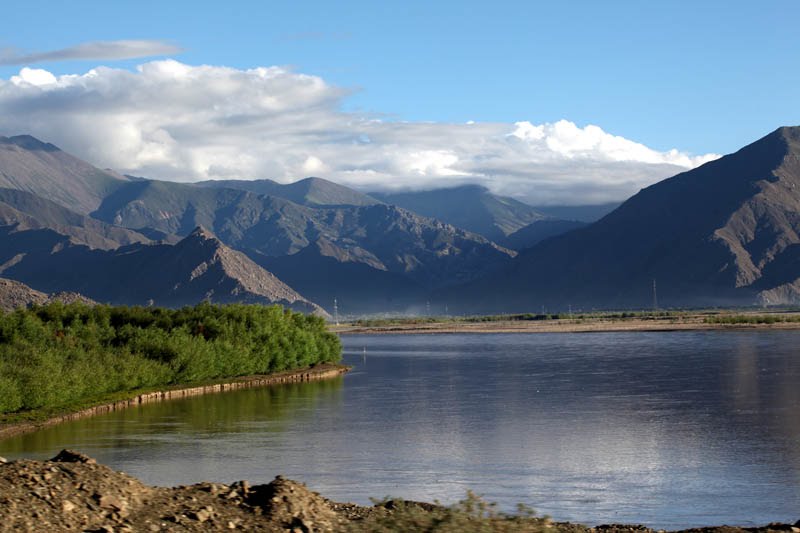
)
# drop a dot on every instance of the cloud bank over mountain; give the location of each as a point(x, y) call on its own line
point(174, 121)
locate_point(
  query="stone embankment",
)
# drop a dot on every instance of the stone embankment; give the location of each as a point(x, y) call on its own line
point(319, 372)
point(72, 492)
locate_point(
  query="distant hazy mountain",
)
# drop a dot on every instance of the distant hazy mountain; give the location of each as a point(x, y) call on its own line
point(29, 211)
point(724, 233)
point(197, 268)
point(581, 213)
point(471, 207)
point(30, 165)
point(325, 272)
point(427, 251)
point(315, 192)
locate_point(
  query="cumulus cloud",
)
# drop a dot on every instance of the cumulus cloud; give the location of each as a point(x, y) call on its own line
point(125, 49)
point(169, 120)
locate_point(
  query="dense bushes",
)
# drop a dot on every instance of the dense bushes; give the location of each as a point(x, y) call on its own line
point(57, 355)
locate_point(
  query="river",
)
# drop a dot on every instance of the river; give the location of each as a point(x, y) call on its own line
point(671, 430)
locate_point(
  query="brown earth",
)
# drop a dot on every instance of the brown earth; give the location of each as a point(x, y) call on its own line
point(72, 492)
point(14, 294)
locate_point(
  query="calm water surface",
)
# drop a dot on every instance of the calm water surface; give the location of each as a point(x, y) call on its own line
point(667, 429)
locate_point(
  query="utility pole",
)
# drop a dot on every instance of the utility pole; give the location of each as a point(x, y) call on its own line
point(428, 308)
point(655, 296)
point(335, 312)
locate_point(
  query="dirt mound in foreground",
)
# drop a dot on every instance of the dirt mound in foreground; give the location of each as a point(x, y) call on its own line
point(72, 492)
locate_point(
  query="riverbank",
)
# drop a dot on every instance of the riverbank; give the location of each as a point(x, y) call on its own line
point(72, 492)
point(36, 420)
point(683, 321)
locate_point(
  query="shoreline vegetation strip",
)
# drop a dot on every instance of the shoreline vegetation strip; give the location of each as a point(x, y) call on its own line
point(61, 358)
point(578, 323)
point(315, 373)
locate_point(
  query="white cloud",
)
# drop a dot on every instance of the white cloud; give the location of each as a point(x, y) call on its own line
point(33, 76)
point(125, 49)
point(174, 121)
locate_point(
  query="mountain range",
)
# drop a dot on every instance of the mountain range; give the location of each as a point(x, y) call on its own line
point(197, 268)
point(69, 226)
point(725, 233)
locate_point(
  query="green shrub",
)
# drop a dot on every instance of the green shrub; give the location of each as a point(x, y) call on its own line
point(55, 355)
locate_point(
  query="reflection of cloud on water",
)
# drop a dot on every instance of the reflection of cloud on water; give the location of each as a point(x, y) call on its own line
point(608, 419)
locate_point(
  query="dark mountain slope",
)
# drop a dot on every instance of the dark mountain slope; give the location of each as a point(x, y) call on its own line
point(198, 268)
point(30, 165)
point(538, 231)
point(314, 192)
point(323, 271)
point(471, 207)
point(724, 233)
point(581, 213)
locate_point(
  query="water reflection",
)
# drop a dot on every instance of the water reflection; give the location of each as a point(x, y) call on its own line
point(668, 429)
point(183, 427)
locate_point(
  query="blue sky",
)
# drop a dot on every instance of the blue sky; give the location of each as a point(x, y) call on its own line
point(699, 77)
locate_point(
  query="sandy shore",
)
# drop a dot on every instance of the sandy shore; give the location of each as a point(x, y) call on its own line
point(688, 322)
point(319, 372)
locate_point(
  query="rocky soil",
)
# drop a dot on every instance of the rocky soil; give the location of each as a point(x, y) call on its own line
point(14, 294)
point(72, 492)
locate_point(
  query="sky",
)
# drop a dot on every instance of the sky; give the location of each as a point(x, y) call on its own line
point(551, 102)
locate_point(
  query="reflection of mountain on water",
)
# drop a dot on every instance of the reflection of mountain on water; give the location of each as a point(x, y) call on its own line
point(165, 424)
point(762, 385)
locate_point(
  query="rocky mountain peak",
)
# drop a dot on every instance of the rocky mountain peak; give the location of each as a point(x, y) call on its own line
point(201, 233)
point(29, 142)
